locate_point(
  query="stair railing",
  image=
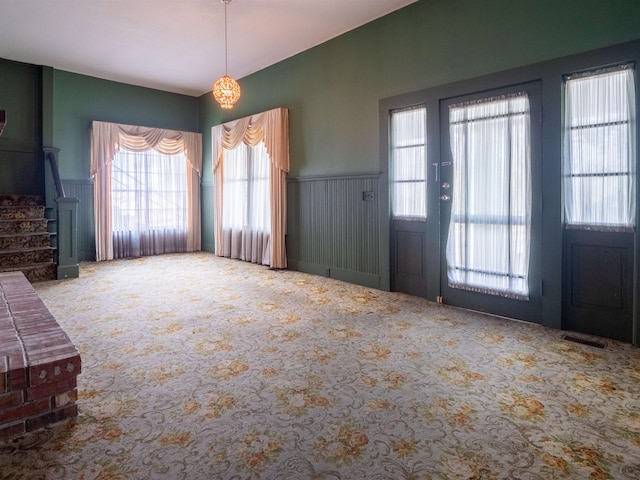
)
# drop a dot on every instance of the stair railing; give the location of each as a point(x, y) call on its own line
point(65, 223)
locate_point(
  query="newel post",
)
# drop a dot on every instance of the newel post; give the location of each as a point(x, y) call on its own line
point(66, 222)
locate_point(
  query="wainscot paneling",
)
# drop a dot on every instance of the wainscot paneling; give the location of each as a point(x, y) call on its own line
point(83, 191)
point(206, 200)
point(333, 227)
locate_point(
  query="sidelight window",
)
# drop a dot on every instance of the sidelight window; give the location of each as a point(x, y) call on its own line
point(599, 149)
point(408, 164)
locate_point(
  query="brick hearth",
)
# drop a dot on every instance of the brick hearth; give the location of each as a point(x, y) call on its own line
point(38, 362)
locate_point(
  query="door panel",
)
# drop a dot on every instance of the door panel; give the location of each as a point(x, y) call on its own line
point(490, 159)
point(599, 283)
point(410, 260)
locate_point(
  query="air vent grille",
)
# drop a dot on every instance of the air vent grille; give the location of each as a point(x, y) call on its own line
point(584, 341)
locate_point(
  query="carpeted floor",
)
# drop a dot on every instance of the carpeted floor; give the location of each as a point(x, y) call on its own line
point(197, 367)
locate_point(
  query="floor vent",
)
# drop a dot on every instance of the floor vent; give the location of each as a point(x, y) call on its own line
point(583, 341)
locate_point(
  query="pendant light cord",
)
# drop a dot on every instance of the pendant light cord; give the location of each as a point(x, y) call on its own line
point(226, 68)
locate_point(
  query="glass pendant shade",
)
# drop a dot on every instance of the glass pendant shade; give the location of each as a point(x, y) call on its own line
point(226, 91)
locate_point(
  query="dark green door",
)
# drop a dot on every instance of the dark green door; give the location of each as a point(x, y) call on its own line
point(490, 202)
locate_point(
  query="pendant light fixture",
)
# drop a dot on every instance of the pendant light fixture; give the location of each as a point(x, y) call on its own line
point(226, 90)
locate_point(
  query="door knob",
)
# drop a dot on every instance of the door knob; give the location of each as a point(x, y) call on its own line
point(444, 198)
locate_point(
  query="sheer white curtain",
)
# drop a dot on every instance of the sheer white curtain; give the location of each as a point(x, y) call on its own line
point(107, 139)
point(149, 203)
point(600, 150)
point(408, 163)
point(246, 218)
point(489, 233)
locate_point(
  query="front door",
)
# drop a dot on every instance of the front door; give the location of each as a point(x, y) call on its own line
point(490, 202)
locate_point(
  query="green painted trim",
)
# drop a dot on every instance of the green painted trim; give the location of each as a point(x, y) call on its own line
point(348, 176)
point(70, 181)
point(47, 105)
point(306, 267)
point(359, 278)
point(350, 276)
point(68, 271)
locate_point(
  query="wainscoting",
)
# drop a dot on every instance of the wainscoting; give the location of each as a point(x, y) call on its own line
point(333, 227)
point(206, 202)
point(83, 190)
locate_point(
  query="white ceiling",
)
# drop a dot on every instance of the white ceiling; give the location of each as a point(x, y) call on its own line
point(173, 45)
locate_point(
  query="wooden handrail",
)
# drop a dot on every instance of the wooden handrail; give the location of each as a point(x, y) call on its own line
point(51, 154)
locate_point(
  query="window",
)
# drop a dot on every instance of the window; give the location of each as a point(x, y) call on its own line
point(488, 246)
point(246, 220)
point(599, 149)
point(408, 164)
point(261, 164)
point(156, 177)
point(149, 203)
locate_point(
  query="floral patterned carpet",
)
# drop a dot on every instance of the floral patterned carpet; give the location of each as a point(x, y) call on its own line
point(197, 367)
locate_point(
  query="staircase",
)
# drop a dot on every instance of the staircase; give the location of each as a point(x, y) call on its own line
point(25, 242)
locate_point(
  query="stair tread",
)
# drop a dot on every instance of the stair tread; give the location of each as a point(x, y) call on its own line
point(26, 265)
point(24, 234)
point(25, 249)
point(21, 206)
point(22, 219)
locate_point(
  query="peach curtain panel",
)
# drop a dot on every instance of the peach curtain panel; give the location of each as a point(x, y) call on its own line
point(107, 139)
point(272, 127)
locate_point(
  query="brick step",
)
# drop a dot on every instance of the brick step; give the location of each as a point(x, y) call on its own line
point(24, 240)
point(25, 200)
point(20, 212)
point(30, 225)
point(25, 256)
point(40, 364)
point(39, 272)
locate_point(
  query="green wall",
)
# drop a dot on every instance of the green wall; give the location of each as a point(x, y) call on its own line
point(21, 169)
point(76, 101)
point(79, 99)
point(332, 91)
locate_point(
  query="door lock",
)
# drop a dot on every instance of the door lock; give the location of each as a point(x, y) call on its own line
point(446, 185)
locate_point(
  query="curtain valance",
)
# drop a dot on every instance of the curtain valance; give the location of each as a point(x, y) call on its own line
point(109, 138)
point(271, 126)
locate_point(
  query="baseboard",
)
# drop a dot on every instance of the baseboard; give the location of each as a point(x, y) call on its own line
point(357, 278)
